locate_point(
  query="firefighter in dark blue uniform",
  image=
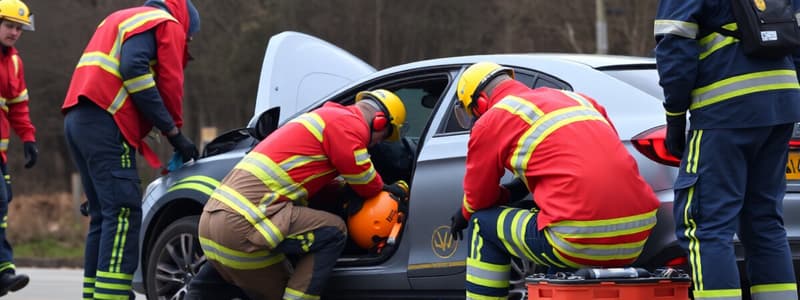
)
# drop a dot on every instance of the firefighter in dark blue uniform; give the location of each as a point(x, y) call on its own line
point(731, 179)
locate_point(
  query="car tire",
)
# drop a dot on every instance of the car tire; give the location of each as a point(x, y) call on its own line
point(173, 260)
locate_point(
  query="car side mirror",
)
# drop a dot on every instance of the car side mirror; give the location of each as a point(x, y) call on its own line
point(266, 124)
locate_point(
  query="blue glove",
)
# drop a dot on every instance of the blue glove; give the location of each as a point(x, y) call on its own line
point(176, 162)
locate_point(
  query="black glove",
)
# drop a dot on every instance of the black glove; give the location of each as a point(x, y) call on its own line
point(399, 189)
point(676, 135)
point(353, 200)
point(516, 189)
point(184, 146)
point(31, 154)
point(457, 224)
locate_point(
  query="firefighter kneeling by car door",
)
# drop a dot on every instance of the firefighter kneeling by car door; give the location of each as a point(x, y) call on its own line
point(258, 217)
point(594, 209)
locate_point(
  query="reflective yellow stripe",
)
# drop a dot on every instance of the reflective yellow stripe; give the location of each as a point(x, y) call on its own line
point(134, 22)
point(718, 294)
point(3, 145)
point(118, 101)
point(362, 156)
point(672, 114)
point(520, 107)
point(477, 241)
point(743, 84)
point(22, 97)
point(487, 274)
point(466, 206)
point(6, 266)
point(112, 286)
point(300, 160)
point(102, 60)
point(292, 294)
point(604, 228)
point(361, 178)
point(577, 97)
point(237, 259)
point(15, 61)
point(675, 27)
point(139, 83)
point(543, 127)
point(599, 252)
point(313, 123)
point(501, 234)
point(474, 296)
point(119, 240)
point(112, 275)
point(774, 291)
point(104, 296)
point(244, 207)
point(273, 176)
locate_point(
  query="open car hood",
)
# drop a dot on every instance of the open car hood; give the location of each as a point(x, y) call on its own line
point(299, 69)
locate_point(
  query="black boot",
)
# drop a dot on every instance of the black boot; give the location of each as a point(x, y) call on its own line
point(12, 282)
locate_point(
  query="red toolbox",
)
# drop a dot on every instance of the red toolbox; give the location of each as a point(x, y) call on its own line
point(541, 287)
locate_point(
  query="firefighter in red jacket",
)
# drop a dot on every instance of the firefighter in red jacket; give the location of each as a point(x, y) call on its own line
point(14, 17)
point(258, 215)
point(116, 96)
point(594, 207)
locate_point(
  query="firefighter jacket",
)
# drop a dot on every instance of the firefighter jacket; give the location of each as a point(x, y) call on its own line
point(294, 163)
point(98, 79)
point(586, 184)
point(13, 101)
point(707, 73)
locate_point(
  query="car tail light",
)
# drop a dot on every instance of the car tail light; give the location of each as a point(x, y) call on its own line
point(651, 144)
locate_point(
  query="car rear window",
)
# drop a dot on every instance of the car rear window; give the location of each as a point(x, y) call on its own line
point(645, 80)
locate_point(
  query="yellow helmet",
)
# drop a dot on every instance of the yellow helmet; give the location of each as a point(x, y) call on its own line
point(391, 106)
point(16, 11)
point(473, 80)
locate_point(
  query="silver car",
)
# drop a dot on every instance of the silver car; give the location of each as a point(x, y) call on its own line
point(300, 72)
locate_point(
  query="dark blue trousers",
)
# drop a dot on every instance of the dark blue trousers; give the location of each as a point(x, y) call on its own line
point(732, 181)
point(6, 253)
point(107, 165)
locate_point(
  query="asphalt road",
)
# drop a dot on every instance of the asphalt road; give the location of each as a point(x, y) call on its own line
point(52, 284)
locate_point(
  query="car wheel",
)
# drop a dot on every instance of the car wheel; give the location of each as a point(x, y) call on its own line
point(520, 269)
point(173, 260)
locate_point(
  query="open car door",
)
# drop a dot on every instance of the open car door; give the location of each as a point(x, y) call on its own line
point(299, 69)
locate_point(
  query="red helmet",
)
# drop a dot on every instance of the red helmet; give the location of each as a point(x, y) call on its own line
point(377, 223)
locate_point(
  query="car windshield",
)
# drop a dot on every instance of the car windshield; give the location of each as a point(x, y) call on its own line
point(645, 80)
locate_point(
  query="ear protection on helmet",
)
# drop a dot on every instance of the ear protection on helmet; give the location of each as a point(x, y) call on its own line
point(379, 121)
point(481, 104)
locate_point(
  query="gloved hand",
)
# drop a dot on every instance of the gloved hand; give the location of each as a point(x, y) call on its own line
point(353, 201)
point(399, 189)
point(31, 154)
point(675, 140)
point(516, 189)
point(84, 208)
point(457, 225)
point(184, 146)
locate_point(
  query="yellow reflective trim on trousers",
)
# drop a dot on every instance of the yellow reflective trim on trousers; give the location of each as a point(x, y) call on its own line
point(487, 274)
point(773, 287)
point(244, 207)
point(88, 290)
point(717, 294)
point(125, 158)
point(606, 227)
point(139, 83)
point(694, 152)
point(119, 241)
point(543, 127)
point(743, 84)
point(22, 97)
point(104, 296)
point(362, 156)
point(134, 22)
point(237, 259)
point(192, 186)
point(518, 223)
point(7, 265)
point(313, 123)
point(361, 178)
point(92, 280)
point(112, 286)
point(477, 240)
point(300, 160)
point(563, 259)
point(474, 296)
point(112, 275)
point(101, 60)
point(694, 247)
point(292, 294)
point(501, 219)
point(672, 114)
point(675, 27)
